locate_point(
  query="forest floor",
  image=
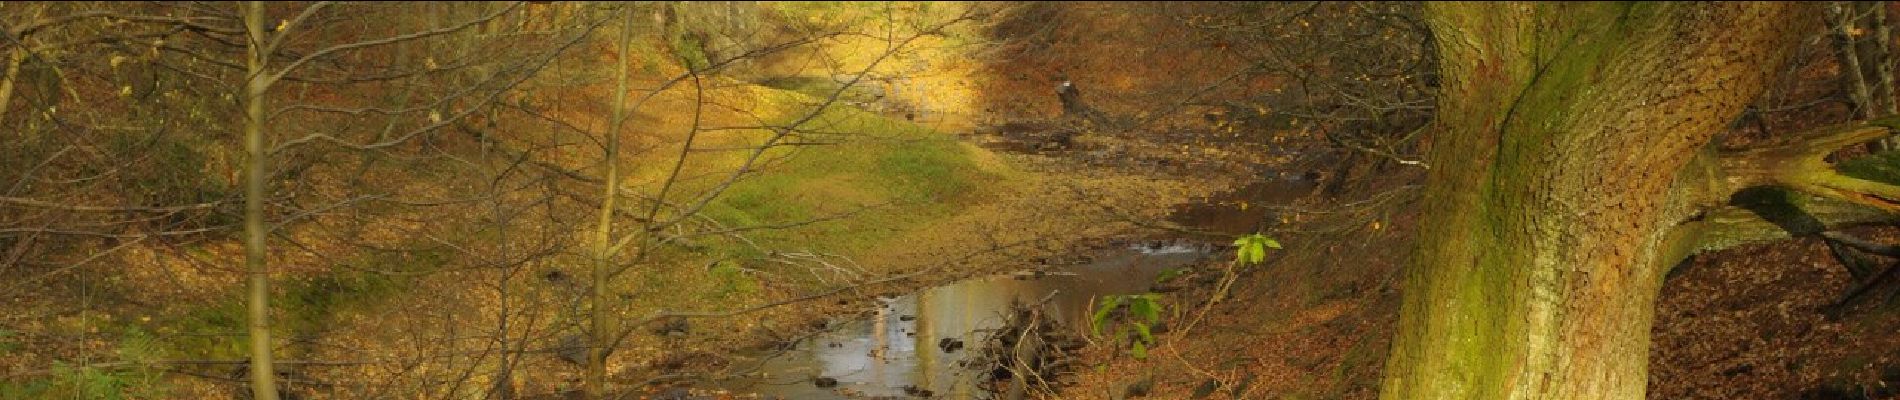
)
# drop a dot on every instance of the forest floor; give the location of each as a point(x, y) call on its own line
point(954, 199)
point(1315, 320)
point(937, 208)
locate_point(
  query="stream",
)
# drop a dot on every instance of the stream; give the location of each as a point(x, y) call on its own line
point(896, 352)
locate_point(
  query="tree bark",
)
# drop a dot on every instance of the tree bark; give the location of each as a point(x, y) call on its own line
point(602, 318)
point(1842, 22)
point(15, 56)
point(1565, 164)
point(256, 174)
point(1862, 47)
point(1880, 51)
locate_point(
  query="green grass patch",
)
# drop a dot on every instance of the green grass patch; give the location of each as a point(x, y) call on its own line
point(70, 381)
point(170, 168)
point(910, 174)
point(9, 341)
point(302, 306)
point(822, 87)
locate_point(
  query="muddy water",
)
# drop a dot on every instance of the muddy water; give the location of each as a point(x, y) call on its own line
point(896, 353)
point(1248, 209)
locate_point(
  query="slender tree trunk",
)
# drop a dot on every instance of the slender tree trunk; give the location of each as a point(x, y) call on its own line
point(1841, 21)
point(263, 384)
point(1861, 45)
point(1563, 132)
point(603, 332)
point(1878, 55)
point(15, 56)
point(1880, 52)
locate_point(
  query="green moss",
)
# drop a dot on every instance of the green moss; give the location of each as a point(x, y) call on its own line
point(1466, 306)
point(1882, 167)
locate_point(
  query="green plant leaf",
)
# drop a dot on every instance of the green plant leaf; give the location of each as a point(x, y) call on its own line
point(1146, 335)
point(1101, 313)
point(1145, 308)
point(1170, 274)
point(1252, 249)
point(1140, 351)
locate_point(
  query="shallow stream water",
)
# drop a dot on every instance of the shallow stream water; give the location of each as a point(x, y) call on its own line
point(895, 353)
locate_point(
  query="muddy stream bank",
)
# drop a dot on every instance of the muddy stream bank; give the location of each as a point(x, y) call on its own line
point(923, 344)
point(914, 345)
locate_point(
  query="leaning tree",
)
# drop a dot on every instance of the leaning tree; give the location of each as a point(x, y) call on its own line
point(1573, 164)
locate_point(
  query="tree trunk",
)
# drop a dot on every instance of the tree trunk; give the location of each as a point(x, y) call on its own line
point(1842, 22)
point(1861, 46)
point(1880, 50)
point(256, 173)
point(15, 55)
point(1565, 134)
point(602, 318)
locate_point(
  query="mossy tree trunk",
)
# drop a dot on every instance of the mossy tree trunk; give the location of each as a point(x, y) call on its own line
point(1571, 169)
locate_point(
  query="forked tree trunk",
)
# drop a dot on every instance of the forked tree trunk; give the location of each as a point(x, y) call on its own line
point(1564, 132)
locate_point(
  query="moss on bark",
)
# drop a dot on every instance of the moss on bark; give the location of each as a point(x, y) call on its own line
point(1563, 132)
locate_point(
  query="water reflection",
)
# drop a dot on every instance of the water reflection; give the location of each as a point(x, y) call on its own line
point(897, 348)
